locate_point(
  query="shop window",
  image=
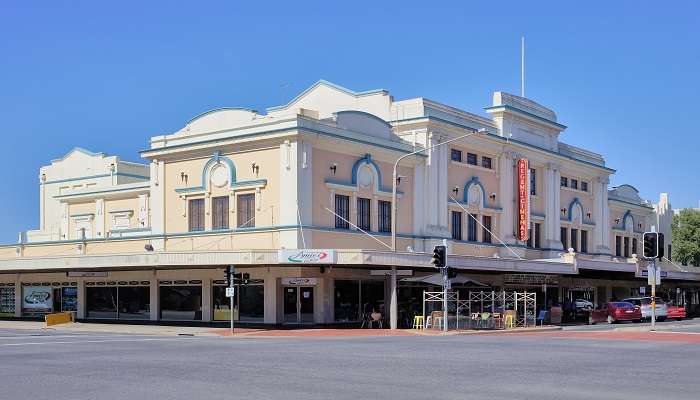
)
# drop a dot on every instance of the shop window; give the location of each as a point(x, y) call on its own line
point(471, 228)
point(246, 210)
point(363, 213)
point(486, 162)
point(486, 234)
point(563, 182)
point(562, 234)
point(471, 159)
point(354, 299)
point(7, 302)
point(456, 225)
point(101, 302)
point(618, 246)
point(533, 182)
point(384, 216)
point(342, 209)
point(219, 207)
point(574, 239)
point(181, 303)
point(456, 155)
point(196, 215)
point(584, 241)
point(249, 302)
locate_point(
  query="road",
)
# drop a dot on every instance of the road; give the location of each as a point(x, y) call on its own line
point(41, 364)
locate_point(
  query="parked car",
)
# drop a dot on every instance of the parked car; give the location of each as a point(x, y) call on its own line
point(645, 304)
point(675, 312)
point(582, 304)
point(615, 311)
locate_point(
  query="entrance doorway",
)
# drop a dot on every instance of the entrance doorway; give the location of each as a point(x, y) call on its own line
point(298, 304)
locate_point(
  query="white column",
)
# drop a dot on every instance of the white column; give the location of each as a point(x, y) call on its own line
point(270, 309)
point(436, 190)
point(18, 297)
point(552, 206)
point(81, 314)
point(100, 219)
point(157, 204)
point(206, 300)
point(154, 298)
point(603, 218)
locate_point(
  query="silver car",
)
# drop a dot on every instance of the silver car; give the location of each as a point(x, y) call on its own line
point(644, 304)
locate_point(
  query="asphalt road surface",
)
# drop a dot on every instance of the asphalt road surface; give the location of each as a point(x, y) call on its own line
point(42, 365)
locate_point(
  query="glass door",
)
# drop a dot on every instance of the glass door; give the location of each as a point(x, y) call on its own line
point(290, 305)
point(306, 304)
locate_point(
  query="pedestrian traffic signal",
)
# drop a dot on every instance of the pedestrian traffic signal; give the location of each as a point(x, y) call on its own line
point(661, 246)
point(451, 273)
point(651, 244)
point(439, 256)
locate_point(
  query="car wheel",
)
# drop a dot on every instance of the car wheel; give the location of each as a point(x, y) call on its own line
point(636, 321)
point(610, 319)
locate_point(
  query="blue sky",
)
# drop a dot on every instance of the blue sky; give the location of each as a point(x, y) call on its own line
point(622, 75)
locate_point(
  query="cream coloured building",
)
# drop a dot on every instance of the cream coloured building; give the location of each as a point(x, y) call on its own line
point(299, 198)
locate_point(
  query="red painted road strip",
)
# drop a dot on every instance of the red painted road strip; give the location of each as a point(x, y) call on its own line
point(621, 335)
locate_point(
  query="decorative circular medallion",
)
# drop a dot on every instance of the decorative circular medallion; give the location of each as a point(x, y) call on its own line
point(219, 175)
point(364, 176)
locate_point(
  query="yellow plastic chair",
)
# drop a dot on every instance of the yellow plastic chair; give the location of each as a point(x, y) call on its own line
point(418, 322)
point(509, 321)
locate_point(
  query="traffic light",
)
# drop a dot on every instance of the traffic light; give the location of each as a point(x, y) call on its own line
point(651, 244)
point(237, 277)
point(246, 278)
point(661, 246)
point(228, 272)
point(439, 256)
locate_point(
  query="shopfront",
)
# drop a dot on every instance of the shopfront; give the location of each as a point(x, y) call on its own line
point(249, 301)
point(7, 299)
point(128, 300)
point(355, 299)
point(180, 300)
point(298, 300)
point(41, 298)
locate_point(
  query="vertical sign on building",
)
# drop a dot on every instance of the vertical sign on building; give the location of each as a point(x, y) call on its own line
point(523, 199)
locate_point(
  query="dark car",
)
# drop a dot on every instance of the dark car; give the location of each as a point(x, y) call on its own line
point(616, 311)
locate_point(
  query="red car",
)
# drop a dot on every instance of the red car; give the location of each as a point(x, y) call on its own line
point(675, 312)
point(616, 311)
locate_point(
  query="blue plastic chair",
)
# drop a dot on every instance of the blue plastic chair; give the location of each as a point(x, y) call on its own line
point(542, 317)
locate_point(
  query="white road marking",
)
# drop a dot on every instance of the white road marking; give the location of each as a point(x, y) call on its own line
point(95, 341)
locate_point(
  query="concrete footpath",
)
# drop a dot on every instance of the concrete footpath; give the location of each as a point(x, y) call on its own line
point(163, 330)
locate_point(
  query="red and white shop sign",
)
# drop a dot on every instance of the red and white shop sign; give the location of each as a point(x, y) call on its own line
point(523, 199)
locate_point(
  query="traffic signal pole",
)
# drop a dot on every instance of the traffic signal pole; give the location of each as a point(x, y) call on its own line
point(653, 295)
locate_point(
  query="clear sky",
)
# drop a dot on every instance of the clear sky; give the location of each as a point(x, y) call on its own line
point(622, 75)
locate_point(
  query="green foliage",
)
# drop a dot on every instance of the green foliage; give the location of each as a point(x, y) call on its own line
point(686, 237)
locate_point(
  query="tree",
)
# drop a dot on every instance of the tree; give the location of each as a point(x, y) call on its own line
point(686, 237)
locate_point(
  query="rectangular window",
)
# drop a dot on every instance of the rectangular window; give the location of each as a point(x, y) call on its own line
point(363, 213)
point(246, 210)
point(574, 239)
point(538, 235)
point(342, 209)
point(248, 300)
point(584, 186)
point(618, 246)
point(634, 245)
point(456, 155)
point(456, 225)
point(627, 247)
point(219, 207)
point(563, 182)
point(562, 234)
point(529, 237)
point(574, 184)
point(584, 241)
point(181, 303)
point(486, 162)
point(471, 227)
point(486, 234)
point(384, 221)
point(471, 159)
point(533, 182)
point(196, 215)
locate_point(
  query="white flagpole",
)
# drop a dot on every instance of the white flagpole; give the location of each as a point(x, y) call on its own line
point(522, 66)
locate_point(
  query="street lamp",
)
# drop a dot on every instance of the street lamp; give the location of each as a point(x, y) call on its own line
point(393, 310)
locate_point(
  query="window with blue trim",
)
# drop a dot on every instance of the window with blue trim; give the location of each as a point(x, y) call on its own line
point(471, 228)
point(384, 217)
point(456, 225)
point(342, 210)
point(196, 215)
point(363, 213)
